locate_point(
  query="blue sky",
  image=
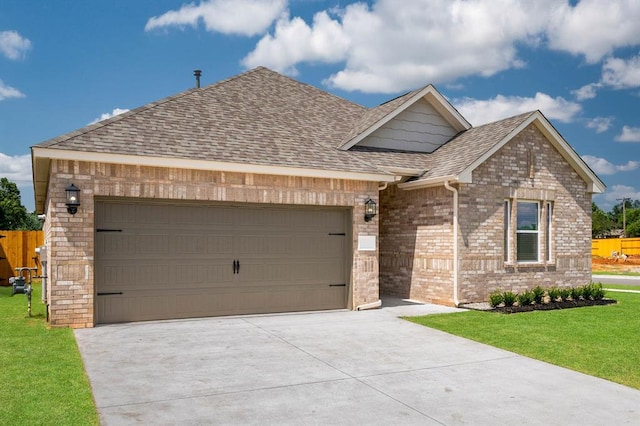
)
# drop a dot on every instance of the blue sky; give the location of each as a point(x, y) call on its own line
point(65, 64)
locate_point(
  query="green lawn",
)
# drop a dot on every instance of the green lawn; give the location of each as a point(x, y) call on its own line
point(602, 341)
point(42, 377)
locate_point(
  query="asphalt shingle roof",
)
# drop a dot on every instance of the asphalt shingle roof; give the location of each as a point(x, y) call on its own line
point(264, 118)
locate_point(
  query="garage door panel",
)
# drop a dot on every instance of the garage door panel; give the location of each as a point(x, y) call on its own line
point(115, 245)
point(208, 275)
point(180, 263)
point(152, 214)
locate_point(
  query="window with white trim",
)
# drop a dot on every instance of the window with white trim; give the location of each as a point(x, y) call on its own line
point(549, 231)
point(528, 231)
point(507, 230)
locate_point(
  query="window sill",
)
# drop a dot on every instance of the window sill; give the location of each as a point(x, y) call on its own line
point(529, 265)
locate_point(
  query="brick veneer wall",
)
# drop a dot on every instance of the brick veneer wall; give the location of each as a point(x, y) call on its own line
point(71, 238)
point(416, 244)
point(506, 176)
point(416, 255)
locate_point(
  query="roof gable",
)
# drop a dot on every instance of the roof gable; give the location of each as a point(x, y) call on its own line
point(419, 128)
point(456, 161)
point(422, 121)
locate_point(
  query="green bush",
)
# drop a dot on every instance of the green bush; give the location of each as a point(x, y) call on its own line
point(538, 294)
point(496, 298)
point(509, 298)
point(526, 298)
point(587, 291)
point(564, 294)
point(597, 292)
point(576, 292)
point(554, 293)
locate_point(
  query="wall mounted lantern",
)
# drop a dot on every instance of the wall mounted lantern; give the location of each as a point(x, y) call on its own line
point(370, 209)
point(73, 198)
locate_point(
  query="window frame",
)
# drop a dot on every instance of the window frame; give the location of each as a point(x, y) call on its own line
point(507, 231)
point(536, 232)
point(548, 240)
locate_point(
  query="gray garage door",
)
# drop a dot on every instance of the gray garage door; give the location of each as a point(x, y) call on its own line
point(161, 260)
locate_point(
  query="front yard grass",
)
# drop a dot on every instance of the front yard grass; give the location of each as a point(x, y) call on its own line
point(601, 341)
point(42, 376)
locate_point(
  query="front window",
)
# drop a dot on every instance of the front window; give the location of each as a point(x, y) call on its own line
point(507, 230)
point(549, 230)
point(528, 231)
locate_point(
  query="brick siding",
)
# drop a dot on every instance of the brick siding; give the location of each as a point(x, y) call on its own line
point(416, 255)
point(71, 238)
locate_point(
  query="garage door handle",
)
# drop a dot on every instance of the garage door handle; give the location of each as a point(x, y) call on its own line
point(109, 293)
point(337, 285)
point(236, 266)
point(342, 234)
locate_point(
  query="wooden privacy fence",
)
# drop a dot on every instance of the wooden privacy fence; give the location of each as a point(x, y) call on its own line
point(605, 247)
point(17, 249)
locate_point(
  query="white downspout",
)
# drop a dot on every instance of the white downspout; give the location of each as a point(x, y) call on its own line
point(455, 241)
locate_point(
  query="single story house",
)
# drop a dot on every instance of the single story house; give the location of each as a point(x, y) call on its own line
point(263, 194)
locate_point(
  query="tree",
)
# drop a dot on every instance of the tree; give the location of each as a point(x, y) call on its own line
point(601, 223)
point(633, 222)
point(13, 215)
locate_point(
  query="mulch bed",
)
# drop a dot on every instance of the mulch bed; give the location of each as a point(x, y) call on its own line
point(548, 306)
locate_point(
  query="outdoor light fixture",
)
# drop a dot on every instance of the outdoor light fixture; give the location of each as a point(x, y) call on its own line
point(73, 198)
point(370, 210)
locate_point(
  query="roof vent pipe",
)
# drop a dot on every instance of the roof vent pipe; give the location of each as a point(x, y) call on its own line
point(197, 74)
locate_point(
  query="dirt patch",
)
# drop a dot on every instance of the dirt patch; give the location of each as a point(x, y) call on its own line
point(615, 265)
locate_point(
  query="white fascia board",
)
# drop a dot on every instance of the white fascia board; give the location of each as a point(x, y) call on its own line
point(431, 95)
point(182, 163)
point(594, 184)
point(429, 183)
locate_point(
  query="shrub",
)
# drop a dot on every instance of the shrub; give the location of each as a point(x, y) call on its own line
point(576, 292)
point(509, 298)
point(525, 298)
point(597, 292)
point(554, 293)
point(496, 298)
point(587, 291)
point(564, 294)
point(538, 294)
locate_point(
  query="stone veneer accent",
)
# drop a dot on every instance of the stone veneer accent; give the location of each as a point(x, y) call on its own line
point(416, 254)
point(71, 238)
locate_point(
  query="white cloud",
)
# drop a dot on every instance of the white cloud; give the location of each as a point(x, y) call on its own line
point(629, 134)
point(387, 48)
point(594, 28)
point(603, 167)
point(16, 168)
point(13, 45)
point(107, 115)
point(600, 124)
point(611, 196)
point(479, 111)
point(294, 41)
point(586, 92)
point(7, 92)
point(620, 73)
point(617, 73)
point(243, 17)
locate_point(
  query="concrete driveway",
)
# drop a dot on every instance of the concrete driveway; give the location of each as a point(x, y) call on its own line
point(332, 368)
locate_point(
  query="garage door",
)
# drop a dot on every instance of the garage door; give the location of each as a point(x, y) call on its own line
point(161, 261)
